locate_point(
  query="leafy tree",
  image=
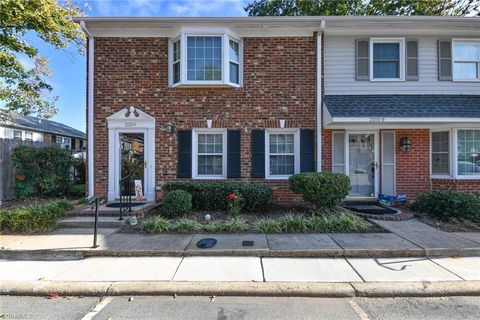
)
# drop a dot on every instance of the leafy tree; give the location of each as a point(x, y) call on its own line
point(363, 7)
point(25, 90)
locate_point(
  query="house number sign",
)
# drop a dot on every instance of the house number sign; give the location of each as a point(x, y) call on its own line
point(377, 119)
point(130, 124)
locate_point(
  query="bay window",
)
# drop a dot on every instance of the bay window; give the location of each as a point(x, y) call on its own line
point(466, 60)
point(210, 59)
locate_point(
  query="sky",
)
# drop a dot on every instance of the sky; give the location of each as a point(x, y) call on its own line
point(68, 66)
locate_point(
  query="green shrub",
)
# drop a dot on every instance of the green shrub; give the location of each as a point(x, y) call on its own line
point(321, 189)
point(156, 224)
point(34, 218)
point(42, 171)
point(293, 223)
point(319, 224)
point(447, 204)
point(185, 225)
point(268, 225)
point(215, 226)
point(213, 196)
point(176, 203)
point(77, 190)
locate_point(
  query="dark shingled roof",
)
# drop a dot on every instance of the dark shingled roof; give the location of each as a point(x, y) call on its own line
point(49, 126)
point(415, 106)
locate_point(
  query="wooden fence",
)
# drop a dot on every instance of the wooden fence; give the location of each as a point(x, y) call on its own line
point(7, 171)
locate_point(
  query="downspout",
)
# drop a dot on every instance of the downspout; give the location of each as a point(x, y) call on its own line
point(91, 44)
point(319, 95)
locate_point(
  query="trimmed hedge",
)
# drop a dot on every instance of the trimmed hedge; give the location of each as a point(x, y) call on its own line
point(213, 196)
point(176, 203)
point(34, 218)
point(321, 189)
point(448, 204)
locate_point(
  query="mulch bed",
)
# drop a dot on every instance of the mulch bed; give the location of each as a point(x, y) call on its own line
point(449, 226)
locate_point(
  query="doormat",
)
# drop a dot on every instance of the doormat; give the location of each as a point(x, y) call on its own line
point(117, 204)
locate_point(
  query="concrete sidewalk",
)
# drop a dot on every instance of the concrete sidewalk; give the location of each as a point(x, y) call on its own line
point(227, 275)
point(410, 238)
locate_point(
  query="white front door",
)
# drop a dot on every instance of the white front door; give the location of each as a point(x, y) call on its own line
point(361, 149)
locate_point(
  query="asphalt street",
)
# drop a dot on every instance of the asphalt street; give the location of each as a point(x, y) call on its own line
point(233, 308)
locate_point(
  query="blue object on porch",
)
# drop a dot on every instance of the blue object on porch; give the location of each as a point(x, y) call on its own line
point(387, 199)
point(117, 204)
point(402, 198)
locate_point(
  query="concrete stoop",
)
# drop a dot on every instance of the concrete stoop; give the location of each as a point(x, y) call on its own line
point(88, 222)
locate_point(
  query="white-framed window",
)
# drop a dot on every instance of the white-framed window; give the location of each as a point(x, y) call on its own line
point(440, 153)
point(282, 153)
point(468, 153)
point(17, 134)
point(176, 61)
point(64, 142)
point(29, 136)
point(387, 56)
point(466, 60)
point(209, 156)
point(197, 59)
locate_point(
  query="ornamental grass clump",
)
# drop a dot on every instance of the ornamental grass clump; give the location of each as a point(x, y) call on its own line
point(235, 224)
point(268, 225)
point(215, 226)
point(293, 223)
point(156, 224)
point(185, 225)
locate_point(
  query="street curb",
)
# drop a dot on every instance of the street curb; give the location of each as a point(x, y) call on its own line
point(265, 289)
point(61, 254)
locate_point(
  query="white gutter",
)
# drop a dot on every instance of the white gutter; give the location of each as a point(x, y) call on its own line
point(380, 120)
point(319, 95)
point(91, 45)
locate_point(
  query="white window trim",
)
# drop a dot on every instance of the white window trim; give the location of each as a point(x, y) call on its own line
point(21, 134)
point(296, 146)
point(455, 155)
point(31, 133)
point(225, 81)
point(465, 41)
point(400, 41)
point(195, 133)
point(450, 158)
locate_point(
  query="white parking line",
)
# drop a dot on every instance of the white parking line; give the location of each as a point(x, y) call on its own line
point(98, 307)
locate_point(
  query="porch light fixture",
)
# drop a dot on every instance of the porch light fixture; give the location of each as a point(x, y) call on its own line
point(209, 123)
point(405, 144)
point(282, 123)
point(170, 127)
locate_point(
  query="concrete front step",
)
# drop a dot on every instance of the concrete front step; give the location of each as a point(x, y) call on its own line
point(88, 222)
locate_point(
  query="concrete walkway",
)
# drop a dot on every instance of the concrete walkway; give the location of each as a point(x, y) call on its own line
point(234, 275)
point(410, 238)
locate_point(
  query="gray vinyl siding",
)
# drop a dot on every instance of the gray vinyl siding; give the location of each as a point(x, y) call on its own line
point(340, 71)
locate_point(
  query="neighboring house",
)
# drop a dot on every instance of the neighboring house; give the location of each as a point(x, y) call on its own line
point(393, 102)
point(35, 129)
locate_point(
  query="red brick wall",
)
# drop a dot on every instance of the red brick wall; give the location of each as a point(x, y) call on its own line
point(279, 83)
point(459, 185)
point(413, 168)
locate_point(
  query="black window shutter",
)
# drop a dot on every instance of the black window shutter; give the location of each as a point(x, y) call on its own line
point(233, 154)
point(184, 163)
point(307, 146)
point(258, 153)
point(444, 60)
point(411, 60)
point(362, 67)
point(72, 144)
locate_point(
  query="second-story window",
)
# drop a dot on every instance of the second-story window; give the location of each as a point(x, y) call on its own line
point(197, 60)
point(387, 59)
point(466, 60)
point(204, 58)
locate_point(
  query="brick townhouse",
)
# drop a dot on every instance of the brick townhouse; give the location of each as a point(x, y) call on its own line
point(393, 102)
